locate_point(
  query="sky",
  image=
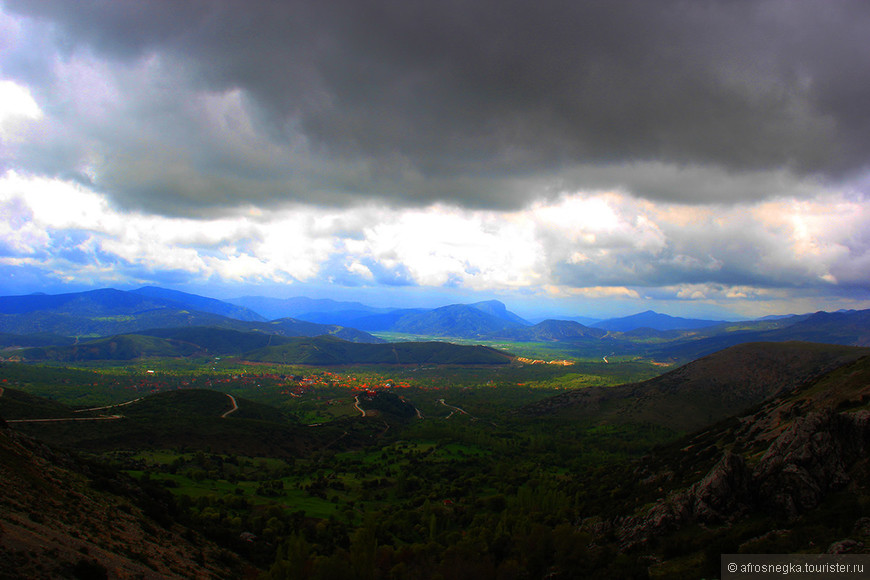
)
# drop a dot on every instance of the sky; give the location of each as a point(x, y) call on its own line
point(593, 158)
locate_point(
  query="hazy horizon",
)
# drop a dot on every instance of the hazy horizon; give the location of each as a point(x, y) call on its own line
point(532, 310)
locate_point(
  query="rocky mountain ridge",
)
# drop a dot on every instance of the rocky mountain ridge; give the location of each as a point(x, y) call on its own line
point(781, 461)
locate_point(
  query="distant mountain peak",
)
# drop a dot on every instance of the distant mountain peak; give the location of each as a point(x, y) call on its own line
point(499, 310)
point(654, 320)
point(201, 303)
point(490, 304)
point(463, 320)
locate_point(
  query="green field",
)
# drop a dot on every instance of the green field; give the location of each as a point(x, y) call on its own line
point(545, 350)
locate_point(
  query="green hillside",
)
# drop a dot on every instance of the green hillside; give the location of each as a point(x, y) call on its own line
point(186, 342)
point(117, 348)
point(16, 404)
point(332, 351)
point(704, 391)
point(30, 340)
point(191, 419)
point(190, 404)
point(220, 341)
point(293, 327)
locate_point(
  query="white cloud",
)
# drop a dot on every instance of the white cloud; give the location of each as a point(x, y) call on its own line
point(714, 292)
point(361, 270)
point(19, 117)
point(595, 246)
point(290, 245)
point(17, 232)
point(828, 236)
point(441, 245)
point(594, 292)
point(16, 102)
point(240, 267)
point(58, 204)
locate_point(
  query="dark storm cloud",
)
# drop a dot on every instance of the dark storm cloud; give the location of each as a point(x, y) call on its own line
point(487, 103)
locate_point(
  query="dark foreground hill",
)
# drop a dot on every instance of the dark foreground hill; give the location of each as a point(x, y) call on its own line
point(61, 517)
point(192, 418)
point(704, 391)
point(15, 404)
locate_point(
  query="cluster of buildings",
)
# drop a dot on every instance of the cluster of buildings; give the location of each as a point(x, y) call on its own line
point(300, 385)
point(531, 361)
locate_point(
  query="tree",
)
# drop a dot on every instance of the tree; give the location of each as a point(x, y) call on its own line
point(363, 549)
point(292, 561)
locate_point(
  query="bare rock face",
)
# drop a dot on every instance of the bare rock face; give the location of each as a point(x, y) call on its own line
point(723, 495)
point(844, 546)
point(862, 526)
point(805, 462)
point(809, 459)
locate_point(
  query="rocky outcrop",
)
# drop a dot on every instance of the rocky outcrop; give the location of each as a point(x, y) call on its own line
point(806, 461)
point(723, 495)
point(811, 458)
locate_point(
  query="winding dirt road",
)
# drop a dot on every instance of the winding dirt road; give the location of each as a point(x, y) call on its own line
point(358, 408)
point(455, 409)
point(106, 417)
point(235, 406)
point(108, 406)
point(101, 418)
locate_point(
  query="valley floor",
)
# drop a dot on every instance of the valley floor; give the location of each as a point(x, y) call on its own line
point(424, 473)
